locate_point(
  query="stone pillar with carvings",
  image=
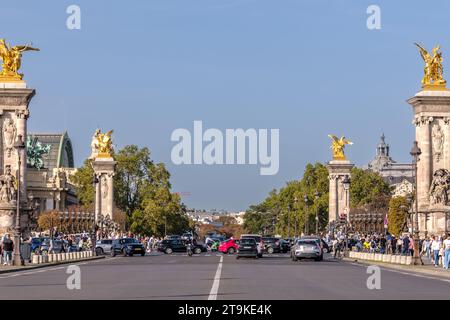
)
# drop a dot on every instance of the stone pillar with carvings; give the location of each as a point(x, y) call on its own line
point(14, 101)
point(339, 198)
point(104, 168)
point(431, 109)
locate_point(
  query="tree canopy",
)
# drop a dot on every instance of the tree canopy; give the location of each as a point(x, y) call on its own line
point(142, 190)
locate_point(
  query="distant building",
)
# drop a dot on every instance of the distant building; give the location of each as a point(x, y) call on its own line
point(50, 186)
point(392, 172)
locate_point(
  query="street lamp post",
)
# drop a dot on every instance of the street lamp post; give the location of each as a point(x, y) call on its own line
point(346, 184)
point(296, 217)
point(94, 232)
point(305, 198)
point(415, 153)
point(19, 145)
point(289, 220)
point(317, 196)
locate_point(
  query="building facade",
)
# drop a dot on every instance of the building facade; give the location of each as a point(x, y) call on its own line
point(50, 187)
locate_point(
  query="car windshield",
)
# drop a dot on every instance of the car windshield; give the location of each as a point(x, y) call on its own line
point(307, 242)
point(248, 242)
point(129, 240)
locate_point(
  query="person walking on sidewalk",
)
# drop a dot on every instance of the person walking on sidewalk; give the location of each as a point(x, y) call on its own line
point(435, 247)
point(446, 255)
point(7, 248)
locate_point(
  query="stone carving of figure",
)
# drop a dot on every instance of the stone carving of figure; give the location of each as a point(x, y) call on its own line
point(8, 187)
point(104, 187)
point(438, 141)
point(9, 132)
point(94, 143)
point(439, 187)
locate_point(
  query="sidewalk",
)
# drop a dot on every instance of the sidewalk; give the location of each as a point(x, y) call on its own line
point(30, 266)
point(427, 269)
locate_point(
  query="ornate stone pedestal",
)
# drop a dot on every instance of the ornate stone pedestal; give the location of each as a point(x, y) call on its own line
point(104, 170)
point(14, 101)
point(432, 123)
point(339, 201)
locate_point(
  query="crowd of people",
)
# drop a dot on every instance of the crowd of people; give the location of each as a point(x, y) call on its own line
point(435, 248)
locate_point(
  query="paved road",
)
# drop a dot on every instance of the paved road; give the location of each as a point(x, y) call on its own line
point(223, 277)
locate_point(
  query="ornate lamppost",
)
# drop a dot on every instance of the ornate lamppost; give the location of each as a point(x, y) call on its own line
point(316, 197)
point(94, 233)
point(305, 198)
point(415, 153)
point(20, 146)
point(346, 184)
point(296, 218)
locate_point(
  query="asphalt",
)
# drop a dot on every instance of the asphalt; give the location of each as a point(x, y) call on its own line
point(204, 276)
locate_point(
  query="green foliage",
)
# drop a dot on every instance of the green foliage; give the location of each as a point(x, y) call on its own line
point(142, 190)
point(285, 210)
point(83, 179)
point(366, 187)
point(398, 212)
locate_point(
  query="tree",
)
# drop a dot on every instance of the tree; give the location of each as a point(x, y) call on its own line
point(286, 208)
point(142, 191)
point(367, 187)
point(84, 182)
point(48, 220)
point(398, 213)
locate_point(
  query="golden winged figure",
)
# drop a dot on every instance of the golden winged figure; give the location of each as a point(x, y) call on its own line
point(102, 143)
point(11, 60)
point(338, 145)
point(433, 70)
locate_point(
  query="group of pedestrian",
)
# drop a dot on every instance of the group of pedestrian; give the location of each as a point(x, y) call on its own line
point(438, 250)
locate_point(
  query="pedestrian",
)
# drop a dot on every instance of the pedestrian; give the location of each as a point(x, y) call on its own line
point(411, 245)
point(80, 244)
point(7, 248)
point(426, 247)
point(435, 248)
point(405, 246)
point(399, 245)
point(446, 256)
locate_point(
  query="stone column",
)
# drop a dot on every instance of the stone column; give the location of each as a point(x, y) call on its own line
point(431, 108)
point(104, 169)
point(14, 102)
point(339, 201)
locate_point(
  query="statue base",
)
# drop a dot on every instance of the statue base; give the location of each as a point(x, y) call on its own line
point(11, 77)
point(434, 87)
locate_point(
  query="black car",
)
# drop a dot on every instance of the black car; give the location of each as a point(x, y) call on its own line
point(247, 248)
point(178, 245)
point(127, 247)
point(284, 246)
point(272, 244)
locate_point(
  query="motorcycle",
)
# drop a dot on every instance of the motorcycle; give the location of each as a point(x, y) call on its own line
point(189, 250)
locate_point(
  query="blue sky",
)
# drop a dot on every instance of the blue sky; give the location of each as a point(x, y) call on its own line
point(308, 68)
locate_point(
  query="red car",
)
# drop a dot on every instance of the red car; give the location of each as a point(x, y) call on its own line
point(228, 246)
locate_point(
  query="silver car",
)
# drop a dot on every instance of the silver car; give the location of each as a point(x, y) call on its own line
point(306, 249)
point(103, 246)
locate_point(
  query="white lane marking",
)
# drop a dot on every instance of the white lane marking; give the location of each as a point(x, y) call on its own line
point(215, 286)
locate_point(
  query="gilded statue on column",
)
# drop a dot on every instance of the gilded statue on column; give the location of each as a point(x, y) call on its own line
point(338, 145)
point(11, 61)
point(433, 71)
point(101, 144)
